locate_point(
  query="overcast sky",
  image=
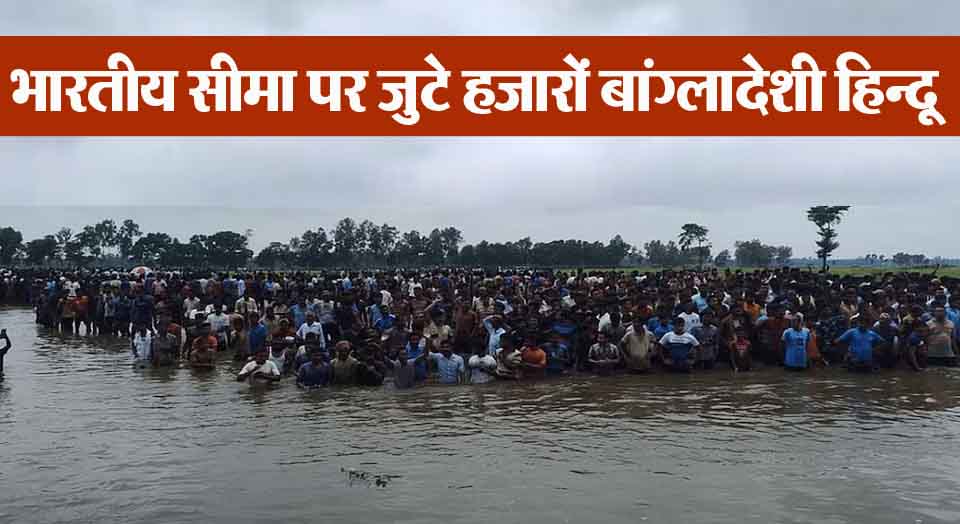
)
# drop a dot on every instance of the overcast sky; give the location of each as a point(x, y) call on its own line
point(903, 191)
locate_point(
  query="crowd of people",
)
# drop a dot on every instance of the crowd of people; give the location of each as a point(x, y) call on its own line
point(474, 326)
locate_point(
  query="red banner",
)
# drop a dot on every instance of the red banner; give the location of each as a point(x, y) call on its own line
point(430, 86)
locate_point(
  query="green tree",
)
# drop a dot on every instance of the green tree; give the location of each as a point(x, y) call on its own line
point(782, 255)
point(41, 251)
point(825, 218)
point(152, 249)
point(722, 259)
point(663, 255)
point(89, 242)
point(107, 234)
point(127, 234)
point(450, 238)
point(345, 240)
point(314, 249)
point(11, 242)
point(277, 254)
point(753, 253)
point(227, 249)
point(64, 236)
point(615, 251)
point(695, 234)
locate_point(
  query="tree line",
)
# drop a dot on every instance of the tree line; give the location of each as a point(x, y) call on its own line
point(348, 244)
point(365, 244)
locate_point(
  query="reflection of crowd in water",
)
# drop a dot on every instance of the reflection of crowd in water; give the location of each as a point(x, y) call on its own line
point(463, 326)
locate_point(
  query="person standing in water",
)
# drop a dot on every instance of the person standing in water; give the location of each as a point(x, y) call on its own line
point(260, 369)
point(3, 352)
point(795, 340)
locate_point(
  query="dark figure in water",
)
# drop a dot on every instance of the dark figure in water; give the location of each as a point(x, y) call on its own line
point(3, 352)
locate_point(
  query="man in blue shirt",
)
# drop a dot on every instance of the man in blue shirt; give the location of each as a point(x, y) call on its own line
point(258, 334)
point(795, 341)
point(449, 365)
point(299, 312)
point(315, 373)
point(416, 351)
point(860, 342)
point(558, 355)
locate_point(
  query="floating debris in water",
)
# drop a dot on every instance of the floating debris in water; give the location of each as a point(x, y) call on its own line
point(355, 476)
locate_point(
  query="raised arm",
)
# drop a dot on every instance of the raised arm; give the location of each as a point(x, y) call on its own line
point(6, 342)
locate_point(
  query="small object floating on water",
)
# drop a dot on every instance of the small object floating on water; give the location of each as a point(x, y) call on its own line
point(354, 475)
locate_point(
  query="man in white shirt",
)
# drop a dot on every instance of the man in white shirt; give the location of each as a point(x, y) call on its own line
point(219, 321)
point(190, 304)
point(482, 367)
point(142, 346)
point(691, 319)
point(246, 305)
point(312, 326)
point(260, 369)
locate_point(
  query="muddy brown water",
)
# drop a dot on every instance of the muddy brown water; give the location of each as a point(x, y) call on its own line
point(84, 437)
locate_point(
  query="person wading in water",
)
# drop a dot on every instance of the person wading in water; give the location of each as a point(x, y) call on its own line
point(3, 352)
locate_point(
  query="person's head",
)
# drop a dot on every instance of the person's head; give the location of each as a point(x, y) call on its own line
point(260, 356)
point(446, 348)
point(318, 357)
point(343, 349)
point(688, 307)
point(218, 308)
point(141, 329)
point(708, 317)
point(863, 322)
point(601, 337)
point(678, 325)
point(796, 321)
point(637, 324)
point(311, 318)
point(939, 313)
point(414, 339)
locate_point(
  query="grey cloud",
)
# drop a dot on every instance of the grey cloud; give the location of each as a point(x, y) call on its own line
point(496, 189)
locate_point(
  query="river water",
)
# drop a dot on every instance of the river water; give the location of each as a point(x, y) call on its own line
point(86, 438)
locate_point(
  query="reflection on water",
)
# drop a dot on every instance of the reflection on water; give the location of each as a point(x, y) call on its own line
point(85, 437)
